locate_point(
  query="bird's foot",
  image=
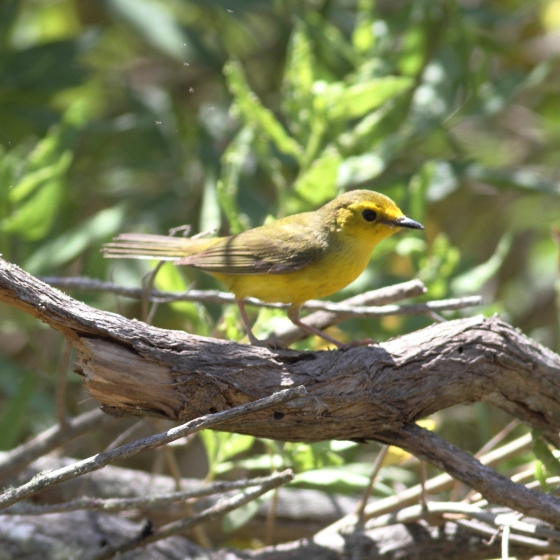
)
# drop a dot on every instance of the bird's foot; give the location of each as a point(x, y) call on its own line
point(356, 343)
point(272, 343)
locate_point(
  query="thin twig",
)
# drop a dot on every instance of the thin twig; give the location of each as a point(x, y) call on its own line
point(417, 512)
point(498, 438)
point(271, 518)
point(61, 385)
point(423, 480)
point(382, 296)
point(476, 499)
point(437, 484)
point(459, 464)
point(147, 287)
point(145, 502)
point(483, 529)
point(42, 481)
point(15, 460)
point(125, 435)
point(377, 464)
point(214, 296)
point(182, 525)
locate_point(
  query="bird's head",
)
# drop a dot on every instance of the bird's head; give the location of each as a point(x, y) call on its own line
point(367, 215)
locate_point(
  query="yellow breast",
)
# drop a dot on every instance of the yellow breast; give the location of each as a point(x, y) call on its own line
point(322, 278)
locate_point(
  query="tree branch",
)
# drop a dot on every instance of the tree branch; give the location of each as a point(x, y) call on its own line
point(373, 392)
point(45, 480)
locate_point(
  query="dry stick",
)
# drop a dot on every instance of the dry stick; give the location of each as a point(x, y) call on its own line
point(541, 546)
point(445, 481)
point(500, 436)
point(382, 296)
point(148, 284)
point(271, 518)
point(450, 510)
point(437, 484)
point(42, 481)
point(18, 458)
point(494, 487)
point(123, 436)
point(386, 310)
point(61, 385)
point(522, 477)
point(423, 478)
point(207, 515)
point(123, 504)
point(375, 471)
point(214, 296)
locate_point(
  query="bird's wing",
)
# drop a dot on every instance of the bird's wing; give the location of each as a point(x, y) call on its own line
point(284, 246)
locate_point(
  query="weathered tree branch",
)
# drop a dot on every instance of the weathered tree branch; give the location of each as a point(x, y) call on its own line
point(374, 392)
point(100, 460)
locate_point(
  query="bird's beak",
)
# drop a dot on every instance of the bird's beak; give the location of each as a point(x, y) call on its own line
point(407, 223)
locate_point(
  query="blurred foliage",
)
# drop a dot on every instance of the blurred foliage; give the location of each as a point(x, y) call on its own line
point(142, 115)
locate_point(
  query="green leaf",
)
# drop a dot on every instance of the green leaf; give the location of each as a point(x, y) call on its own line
point(418, 187)
point(70, 244)
point(36, 179)
point(543, 453)
point(297, 96)
point(337, 479)
point(242, 515)
point(359, 169)
point(155, 23)
point(33, 219)
point(540, 475)
point(236, 444)
point(255, 114)
point(169, 279)
point(363, 38)
point(221, 446)
point(474, 279)
point(232, 161)
point(319, 182)
point(352, 102)
point(210, 215)
point(263, 462)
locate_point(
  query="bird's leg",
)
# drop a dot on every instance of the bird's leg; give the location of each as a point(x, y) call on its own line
point(293, 315)
point(272, 343)
point(252, 338)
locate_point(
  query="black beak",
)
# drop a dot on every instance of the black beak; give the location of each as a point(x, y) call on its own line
point(407, 223)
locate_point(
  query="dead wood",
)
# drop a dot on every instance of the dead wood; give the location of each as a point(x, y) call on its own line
point(374, 392)
point(82, 534)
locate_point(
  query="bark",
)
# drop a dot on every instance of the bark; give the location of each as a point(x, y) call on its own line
point(374, 392)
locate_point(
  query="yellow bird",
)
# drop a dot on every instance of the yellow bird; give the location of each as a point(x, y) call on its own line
point(294, 259)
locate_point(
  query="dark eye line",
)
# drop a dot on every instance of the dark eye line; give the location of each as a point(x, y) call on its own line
point(369, 215)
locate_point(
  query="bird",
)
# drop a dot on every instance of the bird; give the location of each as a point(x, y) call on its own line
point(305, 256)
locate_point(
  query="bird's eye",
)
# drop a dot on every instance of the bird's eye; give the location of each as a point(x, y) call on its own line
point(369, 215)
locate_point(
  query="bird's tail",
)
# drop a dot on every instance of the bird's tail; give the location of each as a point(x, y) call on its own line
point(159, 247)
